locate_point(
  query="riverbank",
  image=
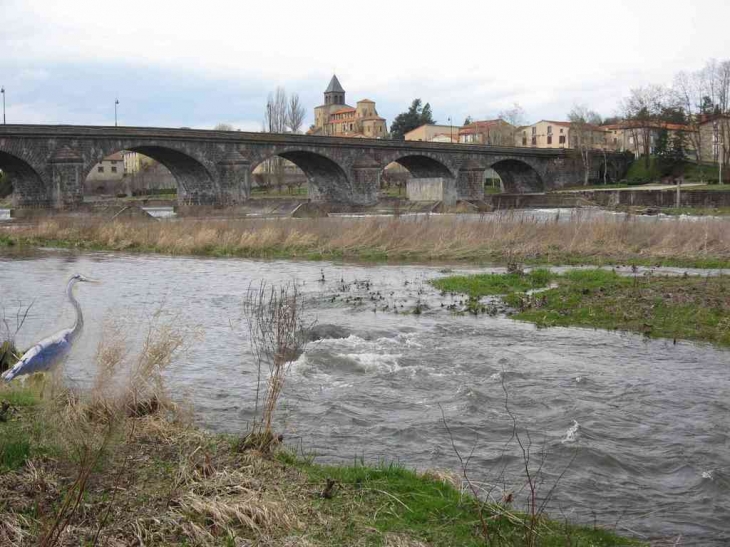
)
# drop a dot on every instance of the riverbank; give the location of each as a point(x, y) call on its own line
point(688, 308)
point(154, 479)
point(502, 238)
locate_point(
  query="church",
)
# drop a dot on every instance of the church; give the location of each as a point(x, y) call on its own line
point(337, 119)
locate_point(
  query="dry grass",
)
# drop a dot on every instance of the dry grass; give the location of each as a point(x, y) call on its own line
point(507, 236)
point(277, 331)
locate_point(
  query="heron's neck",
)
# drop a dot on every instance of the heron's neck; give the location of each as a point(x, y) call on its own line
point(79, 323)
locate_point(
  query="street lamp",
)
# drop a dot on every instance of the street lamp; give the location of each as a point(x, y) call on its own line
point(452, 130)
point(116, 102)
point(719, 144)
point(2, 91)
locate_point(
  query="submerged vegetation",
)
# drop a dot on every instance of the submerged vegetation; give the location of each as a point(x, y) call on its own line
point(507, 237)
point(686, 307)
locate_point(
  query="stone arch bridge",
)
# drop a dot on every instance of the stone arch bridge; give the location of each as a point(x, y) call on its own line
point(48, 164)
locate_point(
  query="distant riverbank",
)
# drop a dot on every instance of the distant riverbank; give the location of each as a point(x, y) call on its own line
point(510, 237)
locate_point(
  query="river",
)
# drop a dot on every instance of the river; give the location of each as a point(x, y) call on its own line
point(644, 422)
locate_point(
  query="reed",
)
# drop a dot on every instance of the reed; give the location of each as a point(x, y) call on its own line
point(506, 237)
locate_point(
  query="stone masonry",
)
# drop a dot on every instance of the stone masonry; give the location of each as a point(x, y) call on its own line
point(48, 164)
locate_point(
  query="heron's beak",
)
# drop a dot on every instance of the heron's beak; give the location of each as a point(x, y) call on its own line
point(89, 280)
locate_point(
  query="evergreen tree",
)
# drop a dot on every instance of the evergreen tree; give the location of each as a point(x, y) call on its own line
point(415, 116)
point(670, 153)
point(678, 148)
point(661, 148)
point(468, 120)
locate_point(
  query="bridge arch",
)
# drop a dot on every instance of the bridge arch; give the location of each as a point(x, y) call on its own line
point(194, 181)
point(327, 180)
point(518, 176)
point(422, 166)
point(28, 184)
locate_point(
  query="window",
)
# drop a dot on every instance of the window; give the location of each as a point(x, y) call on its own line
point(114, 162)
point(561, 140)
point(561, 129)
point(534, 131)
point(550, 129)
point(524, 141)
point(550, 139)
point(534, 141)
point(114, 168)
point(100, 169)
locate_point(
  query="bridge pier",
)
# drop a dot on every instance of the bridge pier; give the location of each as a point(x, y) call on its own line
point(234, 181)
point(470, 183)
point(67, 178)
point(365, 184)
point(441, 189)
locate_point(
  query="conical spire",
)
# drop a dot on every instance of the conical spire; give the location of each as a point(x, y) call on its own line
point(334, 86)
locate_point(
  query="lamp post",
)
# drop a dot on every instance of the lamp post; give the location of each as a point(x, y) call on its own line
point(719, 144)
point(116, 102)
point(2, 91)
point(452, 130)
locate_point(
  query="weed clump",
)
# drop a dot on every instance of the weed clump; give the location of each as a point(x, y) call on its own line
point(278, 334)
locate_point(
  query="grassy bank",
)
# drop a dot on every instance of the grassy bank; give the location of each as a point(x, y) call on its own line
point(156, 480)
point(691, 308)
point(696, 211)
point(510, 237)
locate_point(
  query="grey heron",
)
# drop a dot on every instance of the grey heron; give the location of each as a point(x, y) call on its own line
point(51, 350)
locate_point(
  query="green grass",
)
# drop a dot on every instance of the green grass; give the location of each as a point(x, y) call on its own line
point(16, 434)
point(700, 173)
point(609, 186)
point(273, 191)
point(708, 188)
point(480, 285)
point(689, 308)
point(639, 173)
point(697, 211)
point(395, 500)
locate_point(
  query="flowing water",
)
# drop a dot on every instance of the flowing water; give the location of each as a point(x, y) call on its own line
point(641, 425)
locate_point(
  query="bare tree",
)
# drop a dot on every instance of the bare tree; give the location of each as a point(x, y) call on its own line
point(688, 92)
point(514, 116)
point(295, 113)
point(275, 121)
point(642, 111)
point(704, 93)
point(275, 116)
point(583, 130)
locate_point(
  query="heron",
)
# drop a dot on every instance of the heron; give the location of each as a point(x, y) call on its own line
point(51, 350)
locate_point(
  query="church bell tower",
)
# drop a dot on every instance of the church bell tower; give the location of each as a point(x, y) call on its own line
point(334, 94)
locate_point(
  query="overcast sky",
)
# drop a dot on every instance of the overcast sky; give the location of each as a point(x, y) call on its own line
point(198, 63)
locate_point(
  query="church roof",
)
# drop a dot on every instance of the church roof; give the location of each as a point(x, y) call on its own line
point(334, 86)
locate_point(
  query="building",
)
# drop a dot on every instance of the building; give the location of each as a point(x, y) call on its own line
point(338, 119)
point(714, 136)
point(106, 176)
point(488, 132)
point(135, 162)
point(433, 133)
point(556, 134)
point(630, 136)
